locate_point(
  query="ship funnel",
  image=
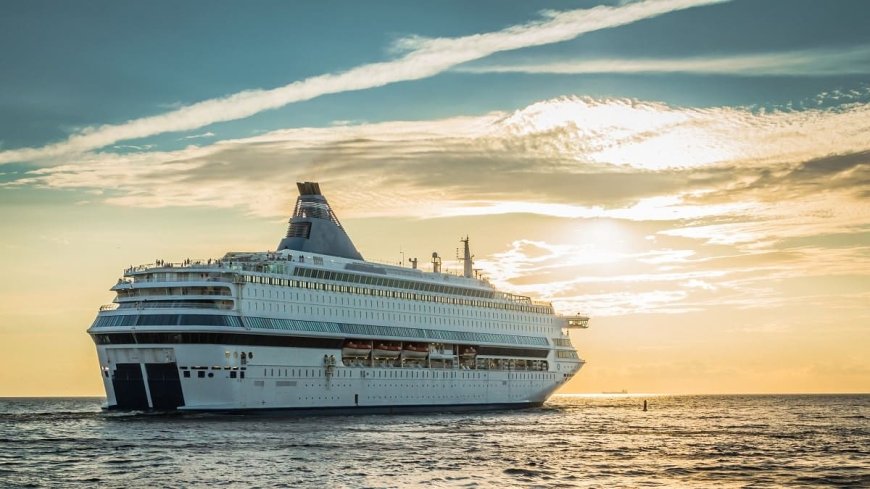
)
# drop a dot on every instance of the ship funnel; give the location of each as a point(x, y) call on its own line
point(314, 228)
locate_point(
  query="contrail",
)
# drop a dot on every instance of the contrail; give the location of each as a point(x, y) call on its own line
point(423, 58)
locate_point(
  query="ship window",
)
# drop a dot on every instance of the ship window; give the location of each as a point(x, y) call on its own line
point(110, 321)
point(205, 320)
point(158, 320)
point(186, 373)
point(201, 374)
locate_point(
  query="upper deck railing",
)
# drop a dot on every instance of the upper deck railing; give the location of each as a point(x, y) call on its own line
point(163, 305)
point(272, 263)
point(201, 264)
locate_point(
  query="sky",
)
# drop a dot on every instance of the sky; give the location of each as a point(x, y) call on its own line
point(694, 175)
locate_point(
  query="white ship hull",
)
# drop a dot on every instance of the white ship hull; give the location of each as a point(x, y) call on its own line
point(205, 378)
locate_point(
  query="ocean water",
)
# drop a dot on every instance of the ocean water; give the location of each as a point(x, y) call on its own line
point(573, 441)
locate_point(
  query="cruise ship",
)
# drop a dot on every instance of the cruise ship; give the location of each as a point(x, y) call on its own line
point(314, 328)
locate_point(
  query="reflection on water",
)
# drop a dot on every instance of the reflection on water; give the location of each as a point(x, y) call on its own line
point(574, 441)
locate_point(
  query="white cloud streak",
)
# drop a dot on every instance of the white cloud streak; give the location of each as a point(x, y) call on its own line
point(853, 61)
point(207, 134)
point(423, 58)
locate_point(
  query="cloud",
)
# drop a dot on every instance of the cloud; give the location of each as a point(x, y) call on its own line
point(745, 231)
point(819, 62)
point(133, 147)
point(850, 171)
point(596, 158)
point(589, 275)
point(617, 235)
point(422, 58)
point(207, 134)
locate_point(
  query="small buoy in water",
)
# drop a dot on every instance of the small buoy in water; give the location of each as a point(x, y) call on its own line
point(644, 405)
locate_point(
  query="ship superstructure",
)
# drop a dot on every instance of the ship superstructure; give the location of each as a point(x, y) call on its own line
point(313, 327)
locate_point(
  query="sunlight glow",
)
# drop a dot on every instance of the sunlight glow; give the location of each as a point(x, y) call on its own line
point(646, 135)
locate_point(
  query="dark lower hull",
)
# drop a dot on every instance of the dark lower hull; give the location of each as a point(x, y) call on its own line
point(357, 410)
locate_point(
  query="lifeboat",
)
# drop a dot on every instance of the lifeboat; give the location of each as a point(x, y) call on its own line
point(415, 351)
point(356, 349)
point(382, 350)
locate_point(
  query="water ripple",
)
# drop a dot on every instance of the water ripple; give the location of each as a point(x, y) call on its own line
point(695, 441)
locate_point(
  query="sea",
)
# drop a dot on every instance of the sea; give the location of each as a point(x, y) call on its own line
point(572, 441)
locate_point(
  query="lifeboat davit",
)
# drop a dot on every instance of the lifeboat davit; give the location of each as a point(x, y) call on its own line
point(354, 349)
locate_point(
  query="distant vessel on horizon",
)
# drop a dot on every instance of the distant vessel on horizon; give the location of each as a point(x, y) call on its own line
point(313, 327)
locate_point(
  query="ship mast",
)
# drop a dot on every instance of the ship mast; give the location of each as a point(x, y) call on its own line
point(467, 262)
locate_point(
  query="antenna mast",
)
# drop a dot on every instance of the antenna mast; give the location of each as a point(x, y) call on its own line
point(467, 259)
